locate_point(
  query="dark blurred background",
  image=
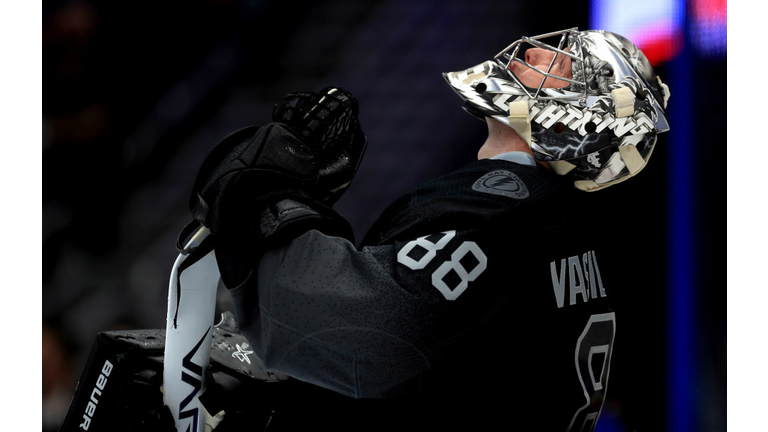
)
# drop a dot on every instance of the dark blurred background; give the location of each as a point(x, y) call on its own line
point(136, 93)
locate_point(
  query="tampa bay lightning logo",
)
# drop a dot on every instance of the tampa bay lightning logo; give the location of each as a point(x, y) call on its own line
point(502, 182)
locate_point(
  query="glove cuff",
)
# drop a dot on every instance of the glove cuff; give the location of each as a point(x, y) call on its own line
point(289, 218)
point(279, 222)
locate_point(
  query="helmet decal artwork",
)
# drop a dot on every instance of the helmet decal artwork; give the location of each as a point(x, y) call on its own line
point(598, 126)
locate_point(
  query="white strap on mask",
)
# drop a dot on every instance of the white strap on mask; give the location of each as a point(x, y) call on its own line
point(518, 119)
point(624, 101)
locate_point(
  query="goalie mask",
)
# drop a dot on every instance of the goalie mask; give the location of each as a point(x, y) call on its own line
point(590, 105)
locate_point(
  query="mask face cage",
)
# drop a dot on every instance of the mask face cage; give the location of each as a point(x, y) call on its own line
point(567, 43)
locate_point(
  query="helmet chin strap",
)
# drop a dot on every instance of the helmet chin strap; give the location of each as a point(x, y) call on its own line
point(519, 120)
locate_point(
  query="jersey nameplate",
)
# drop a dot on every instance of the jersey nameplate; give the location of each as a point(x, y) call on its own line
point(581, 275)
point(502, 182)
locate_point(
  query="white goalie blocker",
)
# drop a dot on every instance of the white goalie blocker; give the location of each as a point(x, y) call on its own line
point(189, 329)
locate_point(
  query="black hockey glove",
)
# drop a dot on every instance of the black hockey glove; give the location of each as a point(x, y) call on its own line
point(327, 121)
point(255, 189)
point(248, 171)
point(263, 186)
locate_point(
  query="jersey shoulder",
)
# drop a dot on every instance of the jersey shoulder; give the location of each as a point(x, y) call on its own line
point(479, 194)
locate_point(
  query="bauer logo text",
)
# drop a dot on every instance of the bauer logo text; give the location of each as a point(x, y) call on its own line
point(101, 382)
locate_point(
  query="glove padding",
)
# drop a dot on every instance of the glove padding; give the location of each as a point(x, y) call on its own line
point(264, 185)
point(327, 121)
point(249, 171)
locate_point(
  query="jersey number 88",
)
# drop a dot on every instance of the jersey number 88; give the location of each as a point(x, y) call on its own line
point(453, 264)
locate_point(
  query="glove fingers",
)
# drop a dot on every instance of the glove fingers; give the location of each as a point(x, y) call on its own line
point(327, 122)
point(291, 108)
point(320, 118)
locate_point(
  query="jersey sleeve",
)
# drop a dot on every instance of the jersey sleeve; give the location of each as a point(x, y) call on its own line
point(359, 322)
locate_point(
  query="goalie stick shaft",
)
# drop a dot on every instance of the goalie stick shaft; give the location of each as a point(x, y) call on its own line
point(189, 322)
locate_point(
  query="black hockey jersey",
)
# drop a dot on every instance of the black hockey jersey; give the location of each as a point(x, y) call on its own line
point(476, 301)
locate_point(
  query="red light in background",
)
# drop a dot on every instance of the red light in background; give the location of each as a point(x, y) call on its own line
point(660, 45)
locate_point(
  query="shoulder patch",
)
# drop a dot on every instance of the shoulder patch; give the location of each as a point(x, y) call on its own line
point(502, 182)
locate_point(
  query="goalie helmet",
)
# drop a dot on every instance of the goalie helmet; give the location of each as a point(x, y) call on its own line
point(599, 127)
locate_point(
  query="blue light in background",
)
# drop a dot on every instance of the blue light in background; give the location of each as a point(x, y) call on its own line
point(681, 249)
point(709, 27)
point(658, 27)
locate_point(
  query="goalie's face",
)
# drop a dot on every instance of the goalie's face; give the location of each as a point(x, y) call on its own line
point(541, 59)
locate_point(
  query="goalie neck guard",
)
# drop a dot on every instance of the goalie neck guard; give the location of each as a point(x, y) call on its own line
point(600, 128)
